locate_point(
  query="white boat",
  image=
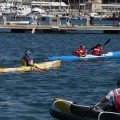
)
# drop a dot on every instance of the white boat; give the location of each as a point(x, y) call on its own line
point(95, 15)
point(23, 11)
point(6, 4)
point(38, 7)
point(8, 10)
point(18, 22)
point(39, 10)
point(53, 8)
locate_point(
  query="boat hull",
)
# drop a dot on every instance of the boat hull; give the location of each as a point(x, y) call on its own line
point(109, 55)
point(66, 109)
point(64, 116)
point(44, 65)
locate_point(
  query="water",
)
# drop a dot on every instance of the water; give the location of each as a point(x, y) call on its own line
point(29, 96)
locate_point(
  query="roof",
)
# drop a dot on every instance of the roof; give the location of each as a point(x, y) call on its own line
point(1, 1)
point(111, 5)
point(49, 3)
point(93, 2)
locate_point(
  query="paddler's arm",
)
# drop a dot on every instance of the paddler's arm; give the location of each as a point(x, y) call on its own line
point(85, 53)
point(31, 64)
point(104, 100)
point(101, 49)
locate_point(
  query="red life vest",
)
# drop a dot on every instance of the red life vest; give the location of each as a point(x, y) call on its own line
point(117, 98)
point(79, 52)
point(96, 51)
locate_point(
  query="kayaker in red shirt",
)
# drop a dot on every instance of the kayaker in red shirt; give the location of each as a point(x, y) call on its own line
point(80, 52)
point(97, 50)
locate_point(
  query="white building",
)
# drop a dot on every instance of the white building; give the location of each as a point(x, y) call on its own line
point(101, 5)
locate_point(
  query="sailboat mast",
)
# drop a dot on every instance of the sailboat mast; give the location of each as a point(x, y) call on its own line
point(79, 5)
point(60, 3)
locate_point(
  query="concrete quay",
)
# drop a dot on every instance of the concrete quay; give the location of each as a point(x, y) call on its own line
point(16, 28)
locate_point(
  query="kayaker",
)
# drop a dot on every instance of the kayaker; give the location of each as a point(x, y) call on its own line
point(80, 52)
point(113, 95)
point(26, 59)
point(97, 50)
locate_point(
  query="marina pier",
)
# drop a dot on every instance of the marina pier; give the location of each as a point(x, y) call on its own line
point(16, 28)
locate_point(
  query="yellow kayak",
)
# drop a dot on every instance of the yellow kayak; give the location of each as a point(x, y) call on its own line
point(63, 105)
point(44, 65)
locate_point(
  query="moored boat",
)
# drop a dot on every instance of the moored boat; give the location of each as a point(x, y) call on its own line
point(44, 65)
point(109, 55)
point(64, 109)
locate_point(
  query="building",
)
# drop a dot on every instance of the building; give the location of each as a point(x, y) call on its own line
point(83, 5)
point(84, 1)
point(110, 1)
point(90, 5)
point(95, 5)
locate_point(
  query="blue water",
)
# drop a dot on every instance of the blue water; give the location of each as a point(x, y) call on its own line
point(29, 96)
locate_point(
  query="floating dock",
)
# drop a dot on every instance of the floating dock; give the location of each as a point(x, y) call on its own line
point(16, 28)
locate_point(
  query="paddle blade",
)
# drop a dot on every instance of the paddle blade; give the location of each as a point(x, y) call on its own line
point(41, 70)
point(107, 42)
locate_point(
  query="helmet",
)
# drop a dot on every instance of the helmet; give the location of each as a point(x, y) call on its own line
point(28, 52)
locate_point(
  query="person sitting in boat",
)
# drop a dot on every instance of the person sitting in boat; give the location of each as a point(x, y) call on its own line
point(26, 59)
point(80, 52)
point(113, 95)
point(97, 50)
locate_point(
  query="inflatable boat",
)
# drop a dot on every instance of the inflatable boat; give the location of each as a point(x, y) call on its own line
point(68, 110)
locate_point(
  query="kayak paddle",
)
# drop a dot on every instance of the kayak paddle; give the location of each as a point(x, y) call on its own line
point(103, 45)
point(92, 48)
point(107, 42)
point(41, 70)
point(91, 109)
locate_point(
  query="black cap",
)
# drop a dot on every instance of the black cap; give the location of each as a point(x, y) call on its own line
point(98, 44)
point(81, 45)
point(118, 82)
